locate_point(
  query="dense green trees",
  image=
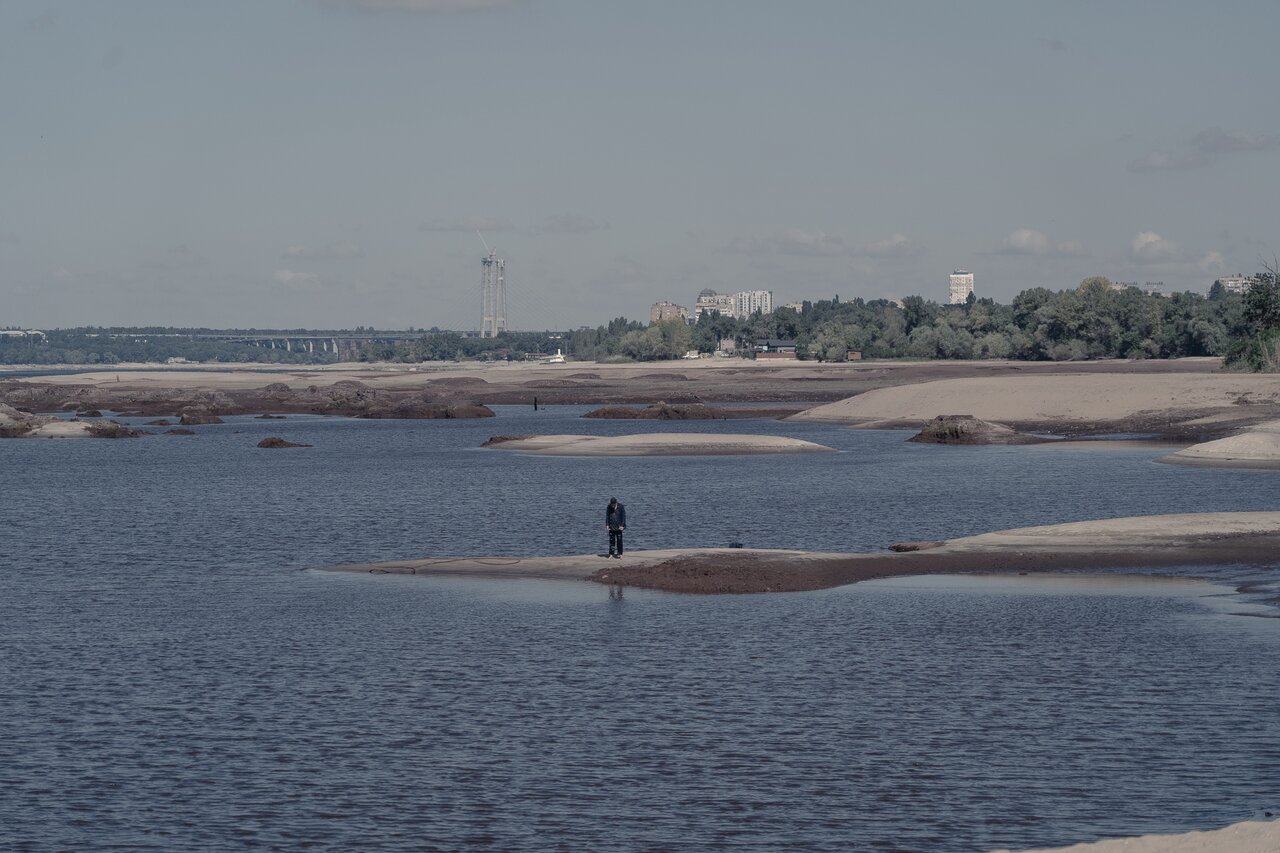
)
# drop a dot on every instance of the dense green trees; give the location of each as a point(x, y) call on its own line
point(1093, 320)
point(1258, 348)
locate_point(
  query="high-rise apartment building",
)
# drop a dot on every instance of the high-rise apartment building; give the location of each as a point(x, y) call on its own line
point(748, 302)
point(738, 305)
point(961, 287)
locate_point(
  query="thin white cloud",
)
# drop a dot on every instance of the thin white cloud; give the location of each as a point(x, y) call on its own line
point(1028, 241)
point(1150, 247)
point(1025, 241)
point(792, 241)
point(1215, 140)
point(1163, 161)
point(290, 278)
point(570, 223)
point(1204, 149)
point(340, 251)
point(893, 246)
point(468, 223)
point(1212, 261)
point(797, 242)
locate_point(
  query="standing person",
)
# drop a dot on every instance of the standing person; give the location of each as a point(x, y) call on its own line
point(615, 521)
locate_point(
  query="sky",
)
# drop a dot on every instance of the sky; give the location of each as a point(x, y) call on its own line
point(327, 163)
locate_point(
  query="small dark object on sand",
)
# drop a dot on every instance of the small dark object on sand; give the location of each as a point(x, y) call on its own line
point(499, 439)
point(917, 546)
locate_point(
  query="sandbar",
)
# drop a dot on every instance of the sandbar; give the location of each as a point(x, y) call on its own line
point(1167, 403)
point(657, 444)
point(1251, 836)
point(1256, 447)
point(1219, 538)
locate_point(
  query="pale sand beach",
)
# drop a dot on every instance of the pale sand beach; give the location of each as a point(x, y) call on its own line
point(1134, 542)
point(62, 429)
point(1256, 447)
point(1251, 836)
point(1071, 401)
point(658, 444)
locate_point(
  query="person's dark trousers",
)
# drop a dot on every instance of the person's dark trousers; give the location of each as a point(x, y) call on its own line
point(615, 542)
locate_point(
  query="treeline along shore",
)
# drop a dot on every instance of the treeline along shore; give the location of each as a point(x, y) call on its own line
point(1091, 321)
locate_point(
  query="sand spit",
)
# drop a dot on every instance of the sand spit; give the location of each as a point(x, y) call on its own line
point(657, 444)
point(1251, 836)
point(1166, 403)
point(1257, 447)
point(1217, 538)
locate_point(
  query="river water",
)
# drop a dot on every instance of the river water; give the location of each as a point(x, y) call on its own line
point(175, 675)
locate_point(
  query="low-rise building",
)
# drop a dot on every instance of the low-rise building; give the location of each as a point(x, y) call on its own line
point(711, 301)
point(662, 311)
point(1236, 283)
point(772, 348)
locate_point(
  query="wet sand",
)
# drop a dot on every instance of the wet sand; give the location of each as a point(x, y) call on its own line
point(1252, 836)
point(656, 444)
point(1134, 542)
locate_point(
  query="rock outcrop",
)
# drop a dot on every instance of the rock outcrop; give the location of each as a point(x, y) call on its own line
point(658, 412)
point(112, 429)
point(274, 442)
point(15, 423)
point(502, 439)
point(196, 418)
point(419, 408)
point(966, 429)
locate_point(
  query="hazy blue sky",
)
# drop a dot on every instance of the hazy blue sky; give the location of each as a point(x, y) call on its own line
point(325, 162)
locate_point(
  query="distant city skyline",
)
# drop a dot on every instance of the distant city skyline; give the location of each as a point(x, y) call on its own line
point(326, 163)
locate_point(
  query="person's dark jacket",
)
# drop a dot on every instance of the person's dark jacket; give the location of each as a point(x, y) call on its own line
point(615, 517)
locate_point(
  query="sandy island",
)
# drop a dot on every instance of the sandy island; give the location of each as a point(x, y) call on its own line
point(655, 444)
point(1255, 447)
point(1217, 538)
point(1169, 404)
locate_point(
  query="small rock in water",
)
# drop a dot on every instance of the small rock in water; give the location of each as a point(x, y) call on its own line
point(274, 442)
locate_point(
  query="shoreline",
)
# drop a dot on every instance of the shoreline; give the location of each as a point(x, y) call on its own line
point(1249, 836)
point(1182, 397)
point(1133, 542)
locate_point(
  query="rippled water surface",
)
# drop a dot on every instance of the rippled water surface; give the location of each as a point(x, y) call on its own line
point(172, 676)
